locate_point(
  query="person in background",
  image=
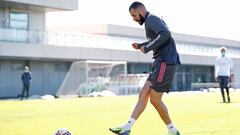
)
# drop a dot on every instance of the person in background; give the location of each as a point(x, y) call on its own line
point(26, 80)
point(223, 72)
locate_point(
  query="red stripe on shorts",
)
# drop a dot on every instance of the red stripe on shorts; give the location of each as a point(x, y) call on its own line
point(162, 71)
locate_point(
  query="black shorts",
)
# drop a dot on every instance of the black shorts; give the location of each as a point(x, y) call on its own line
point(223, 81)
point(162, 76)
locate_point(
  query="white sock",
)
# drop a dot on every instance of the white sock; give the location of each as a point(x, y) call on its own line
point(172, 128)
point(129, 124)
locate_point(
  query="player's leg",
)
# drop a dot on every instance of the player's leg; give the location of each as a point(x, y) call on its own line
point(221, 83)
point(156, 101)
point(226, 85)
point(142, 100)
point(164, 76)
point(139, 108)
point(228, 95)
point(27, 91)
point(223, 94)
point(23, 92)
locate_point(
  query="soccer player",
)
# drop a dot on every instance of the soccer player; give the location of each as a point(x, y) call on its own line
point(160, 79)
point(223, 72)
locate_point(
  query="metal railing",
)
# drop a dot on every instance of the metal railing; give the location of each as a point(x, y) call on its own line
point(99, 41)
point(65, 39)
point(22, 36)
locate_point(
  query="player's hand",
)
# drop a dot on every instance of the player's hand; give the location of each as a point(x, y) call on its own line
point(142, 49)
point(135, 46)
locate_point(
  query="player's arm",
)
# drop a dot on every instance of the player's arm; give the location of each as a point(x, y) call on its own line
point(163, 34)
point(30, 75)
point(143, 44)
point(157, 42)
point(139, 45)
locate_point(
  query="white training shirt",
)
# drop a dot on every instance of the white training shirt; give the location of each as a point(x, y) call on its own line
point(223, 66)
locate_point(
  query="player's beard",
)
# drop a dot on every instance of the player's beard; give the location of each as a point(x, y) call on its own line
point(141, 20)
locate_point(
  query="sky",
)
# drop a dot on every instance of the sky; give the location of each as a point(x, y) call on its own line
point(211, 18)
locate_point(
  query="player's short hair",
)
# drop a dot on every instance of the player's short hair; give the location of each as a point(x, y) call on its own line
point(223, 48)
point(136, 5)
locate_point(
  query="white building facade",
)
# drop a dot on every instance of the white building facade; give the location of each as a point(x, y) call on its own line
point(50, 53)
point(22, 26)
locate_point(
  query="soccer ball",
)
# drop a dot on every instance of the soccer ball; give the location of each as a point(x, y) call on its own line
point(63, 131)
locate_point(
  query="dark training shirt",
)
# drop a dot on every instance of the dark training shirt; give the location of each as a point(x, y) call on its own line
point(160, 40)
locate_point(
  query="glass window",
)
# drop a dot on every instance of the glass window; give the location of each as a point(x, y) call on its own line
point(188, 74)
point(19, 20)
point(17, 66)
point(138, 68)
point(19, 24)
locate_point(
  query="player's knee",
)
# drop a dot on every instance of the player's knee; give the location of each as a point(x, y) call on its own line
point(155, 101)
point(144, 93)
point(142, 96)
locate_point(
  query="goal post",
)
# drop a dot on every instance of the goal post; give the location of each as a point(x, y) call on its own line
point(89, 76)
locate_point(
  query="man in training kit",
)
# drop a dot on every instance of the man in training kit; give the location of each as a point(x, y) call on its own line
point(160, 79)
point(223, 72)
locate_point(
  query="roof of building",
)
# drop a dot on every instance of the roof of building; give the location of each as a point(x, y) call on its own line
point(41, 5)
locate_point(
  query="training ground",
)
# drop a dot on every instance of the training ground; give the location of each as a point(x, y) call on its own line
point(194, 113)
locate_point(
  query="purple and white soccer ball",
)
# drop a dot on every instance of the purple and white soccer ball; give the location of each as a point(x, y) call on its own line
point(63, 131)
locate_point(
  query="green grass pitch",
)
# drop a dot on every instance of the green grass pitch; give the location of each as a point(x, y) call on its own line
point(192, 113)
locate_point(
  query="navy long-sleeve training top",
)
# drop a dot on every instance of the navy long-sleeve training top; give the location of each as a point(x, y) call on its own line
point(160, 40)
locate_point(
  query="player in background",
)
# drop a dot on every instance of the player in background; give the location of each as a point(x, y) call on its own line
point(160, 79)
point(223, 72)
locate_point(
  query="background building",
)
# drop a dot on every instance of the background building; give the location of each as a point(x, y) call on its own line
point(50, 53)
point(198, 54)
point(22, 41)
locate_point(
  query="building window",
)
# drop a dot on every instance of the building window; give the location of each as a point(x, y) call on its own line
point(138, 68)
point(188, 74)
point(19, 20)
point(17, 66)
point(19, 27)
